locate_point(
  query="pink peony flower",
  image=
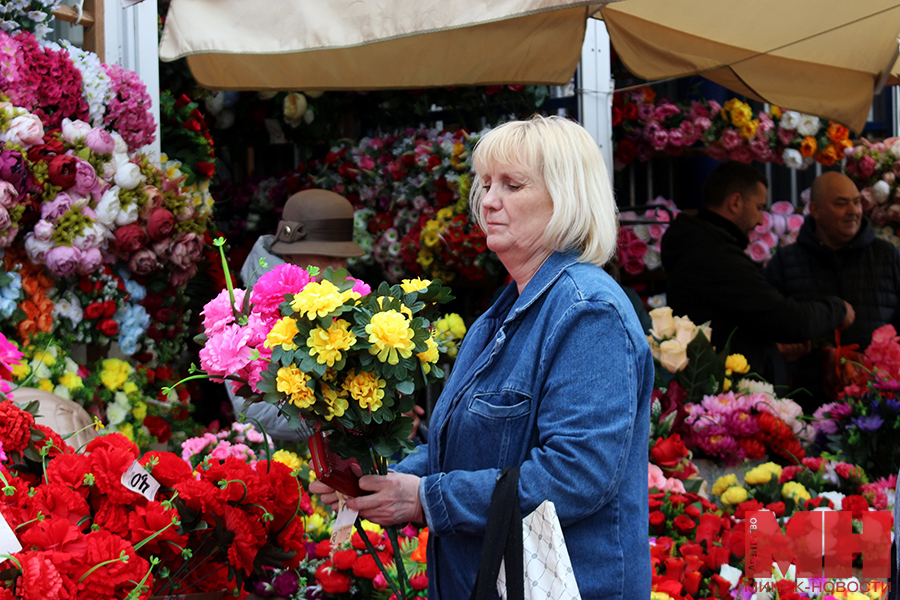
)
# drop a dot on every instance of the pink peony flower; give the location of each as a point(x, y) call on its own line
point(701, 124)
point(8, 194)
point(731, 139)
point(91, 259)
point(779, 224)
point(270, 289)
point(783, 208)
point(226, 352)
point(742, 153)
point(770, 239)
point(742, 423)
point(759, 251)
point(665, 110)
point(785, 136)
point(63, 260)
point(99, 141)
point(56, 208)
point(676, 138)
point(766, 223)
point(866, 166)
point(217, 314)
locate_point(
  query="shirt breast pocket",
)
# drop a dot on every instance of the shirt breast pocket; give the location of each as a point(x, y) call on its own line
point(498, 426)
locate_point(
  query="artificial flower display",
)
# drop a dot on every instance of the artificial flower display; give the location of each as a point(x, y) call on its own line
point(640, 236)
point(645, 124)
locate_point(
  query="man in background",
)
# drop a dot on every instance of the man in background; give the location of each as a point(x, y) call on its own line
point(837, 254)
point(710, 278)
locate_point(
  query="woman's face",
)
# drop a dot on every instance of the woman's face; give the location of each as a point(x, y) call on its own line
point(516, 210)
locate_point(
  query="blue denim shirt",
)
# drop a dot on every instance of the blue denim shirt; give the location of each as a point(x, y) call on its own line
point(557, 381)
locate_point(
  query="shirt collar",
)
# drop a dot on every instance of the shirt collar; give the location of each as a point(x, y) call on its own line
point(546, 276)
point(721, 222)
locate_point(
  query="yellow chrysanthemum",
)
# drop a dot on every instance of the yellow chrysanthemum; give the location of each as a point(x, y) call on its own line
point(430, 239)
point(390, 335)
point(383, 300)
point(292, 381)
point(113, 373)
point(21, 370)
point(139, 411)
point(734, 495)
point(794, 491)
point(48, 356)
point(288, 458)
point(330, 375)
point(758, 476)
point(741, 114)
point(748, 129)
point(723, 483)
point(726, 385)
point(130, 387)
point(429, 356)
point(71, 381)
point(373, 527)
point(127, 429)
point(736, 363)
point(282, 334)
point(326, 345)
point(773, 468)
point(317, 299)
point(414, 285)
point(45, 384)
point(336, 401)
point(366, 388)
point(453, 323)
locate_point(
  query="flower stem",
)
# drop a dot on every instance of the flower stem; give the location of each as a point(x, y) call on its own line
point(365, 538)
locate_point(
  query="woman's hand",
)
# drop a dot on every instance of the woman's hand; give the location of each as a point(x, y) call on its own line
point(394, 501)
point(327, 494)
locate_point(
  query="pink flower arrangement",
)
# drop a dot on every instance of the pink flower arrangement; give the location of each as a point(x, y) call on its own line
point(129, 111)
point(241, 440)
point(269, 290)
point(638, 244)
point(780, 227)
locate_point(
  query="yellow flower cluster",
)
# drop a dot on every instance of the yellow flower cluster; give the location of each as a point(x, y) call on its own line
point(366, 388)
point(288, 458)
point(734, 495)
point(292, 381)
point(140, 410)
point(326, 345)
point(414, 285)
point(431, 240)
point(448, 330)
point(390, 335)
point(741, 116)
point(723, 483)
point(336, 401)
point(736, 363)
point(429, 356)
point(763, 474)
point(282, 334)
point(72, 381)
point(795, 491)
point(317, 299)
point(113, 373)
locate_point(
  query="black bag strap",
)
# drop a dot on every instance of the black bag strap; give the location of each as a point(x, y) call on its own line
point(502, 539)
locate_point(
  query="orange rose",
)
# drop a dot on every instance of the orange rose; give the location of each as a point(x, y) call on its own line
point(45, 322)
point(31, 309)
point(44, 304)
point(44, 280)
point(829, 155)
point(418, 554)
point(809, 146)
point(26, 328)
point(845, 144)
point(837, 132)
point(30, 285)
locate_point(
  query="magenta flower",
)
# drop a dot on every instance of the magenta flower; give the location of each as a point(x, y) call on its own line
point(227, 352)
point(360, 287)
point(270, 289)
point(9, 357)
point(218, 314)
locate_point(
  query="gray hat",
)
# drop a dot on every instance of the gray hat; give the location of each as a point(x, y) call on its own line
point(316, 222)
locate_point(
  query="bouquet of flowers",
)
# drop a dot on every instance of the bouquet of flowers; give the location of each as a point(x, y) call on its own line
point(874, 168)
point(241, 440)
point(780, 227)
point(638, 246)
point(856, 427)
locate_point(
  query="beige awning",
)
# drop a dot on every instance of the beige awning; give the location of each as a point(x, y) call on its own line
point(823, 57)
point(375, 44)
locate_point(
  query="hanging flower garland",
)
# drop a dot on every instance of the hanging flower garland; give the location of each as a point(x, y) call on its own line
point(644, 125)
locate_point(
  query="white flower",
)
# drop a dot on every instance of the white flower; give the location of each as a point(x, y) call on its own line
point(36, 248)
point(751, 386)
point(109, 207)
point(790, 119)
point(308, 117)
point(96, 88)
point(128, 176)
point(652, 259)
point(127, 215)
point(215, 103)
point(809, 125)
point(642, 232)
point(71, 365)
point(74, 131)
point(895, 148)
point(881, 191)
point(731, 574)
point(121, 146)
point(835, 497)
point(657, 301)
point(116, 413)
point(792, 158)
point(62, 391)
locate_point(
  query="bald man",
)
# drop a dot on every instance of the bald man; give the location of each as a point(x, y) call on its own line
point(837, 254)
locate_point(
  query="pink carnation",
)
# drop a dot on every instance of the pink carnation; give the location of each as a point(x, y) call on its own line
point(9, 357)
point(360, 287)
point(731, 139)
point(227, 352)
point(270, 289)
point(742, 153)
point(785, 136)
point(218, 314)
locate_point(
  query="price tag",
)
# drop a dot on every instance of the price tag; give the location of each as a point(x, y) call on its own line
point(343, 524)
point(138, 480)
point(9, 543)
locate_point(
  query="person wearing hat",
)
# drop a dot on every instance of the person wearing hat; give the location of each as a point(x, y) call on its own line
point(316, 229)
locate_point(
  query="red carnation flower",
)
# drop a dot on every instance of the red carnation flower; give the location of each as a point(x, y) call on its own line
point(69, 470)
point(108, 466)
point(15, 427)
point(55, 500)
point(777, 508)
point(332, 580)
point(112, 441)
point(323, 549)
point(158, 428)
point(59, 445)
point(154, 519)
point(856, 504)
point(169, 468)
point(366, 566)
point(40, 580)
point(344, 559)
point(112, 517)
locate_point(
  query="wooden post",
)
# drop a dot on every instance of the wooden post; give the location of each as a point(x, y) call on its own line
point(94, 38)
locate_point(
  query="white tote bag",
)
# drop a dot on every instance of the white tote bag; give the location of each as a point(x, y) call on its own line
point(548, 568)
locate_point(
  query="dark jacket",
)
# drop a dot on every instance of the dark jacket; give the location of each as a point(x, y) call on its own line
point(866, 274)
point(710, 278)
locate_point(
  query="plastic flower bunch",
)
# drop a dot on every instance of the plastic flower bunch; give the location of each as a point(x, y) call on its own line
point(449, 332)
point(28, 15)
point(86, 306)
point(874, 168)
point(187, 137)
point(129, 111)
point(781, 226)
point(670, 337)
point(198, 191)
point(241, 440)
point(10, 293)
point(808, 139)
point(349, 363)
point(35, 311)
point(47, 365)
point(638, 247)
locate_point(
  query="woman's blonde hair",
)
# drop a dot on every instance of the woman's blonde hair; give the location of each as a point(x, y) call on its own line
point(562, 155)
